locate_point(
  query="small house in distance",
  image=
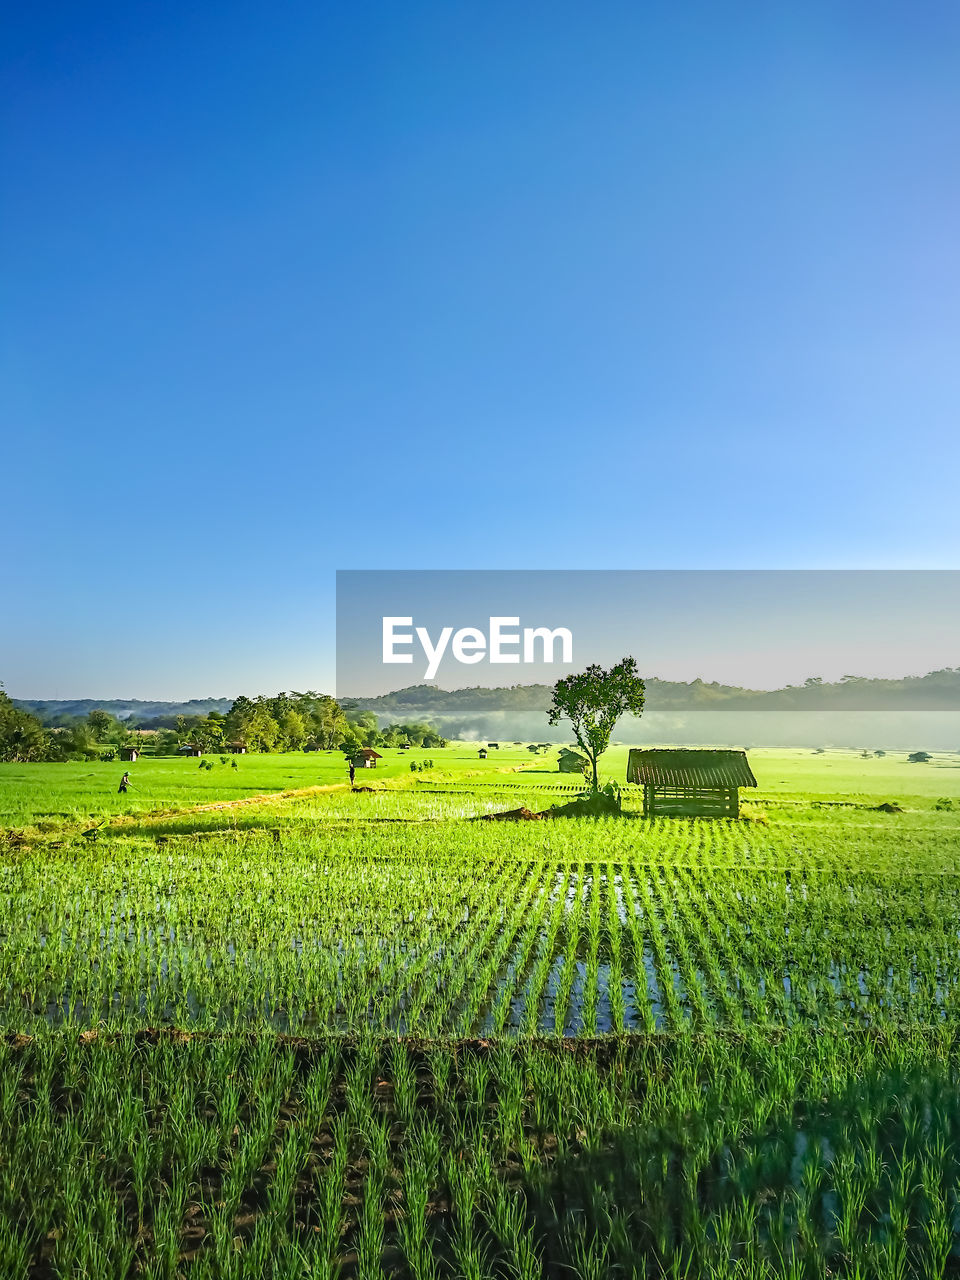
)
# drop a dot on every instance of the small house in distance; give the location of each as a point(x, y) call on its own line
point(239, 749)
point(190, 749)
point(494, 746)
point(688, 782)
point(366, 758)
point(129, 753)
point(572, 761)
point(482, 753)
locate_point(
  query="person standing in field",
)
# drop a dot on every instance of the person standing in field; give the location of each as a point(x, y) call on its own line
point(353, 773)
point(124, 783)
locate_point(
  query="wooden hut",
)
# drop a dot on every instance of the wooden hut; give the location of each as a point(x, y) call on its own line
point(129, 753)
point(572, 761)
point(482, 753)
point(190, 749)
point(366, 758)
point(684, 782)
point(237, 748)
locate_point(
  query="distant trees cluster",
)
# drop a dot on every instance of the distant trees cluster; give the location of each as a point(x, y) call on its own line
point(286, 722)
point(315, 721)
point(291, 722)
point(24, 737)
point(363, 731)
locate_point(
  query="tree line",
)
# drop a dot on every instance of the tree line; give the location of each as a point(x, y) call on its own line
point(285, 722)
point(297, 721)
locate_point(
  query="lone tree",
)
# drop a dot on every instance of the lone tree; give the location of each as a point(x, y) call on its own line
point(593, 702)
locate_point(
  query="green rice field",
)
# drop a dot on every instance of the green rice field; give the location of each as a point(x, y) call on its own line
point(257, 1024)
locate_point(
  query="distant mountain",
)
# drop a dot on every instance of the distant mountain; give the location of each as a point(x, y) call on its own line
point(134, 710)
point(936, 691)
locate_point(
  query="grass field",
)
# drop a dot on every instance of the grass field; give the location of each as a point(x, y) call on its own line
point(260, 1025)
point(44, 792)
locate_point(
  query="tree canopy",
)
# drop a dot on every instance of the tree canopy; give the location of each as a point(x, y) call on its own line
point(283, 722)
point(593, 702)
point(22, 736)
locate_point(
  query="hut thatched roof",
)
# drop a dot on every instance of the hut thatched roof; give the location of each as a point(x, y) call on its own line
point(689, 767)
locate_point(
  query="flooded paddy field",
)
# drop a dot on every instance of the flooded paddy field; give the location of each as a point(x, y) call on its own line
point(473, 931)
point(362, 1034)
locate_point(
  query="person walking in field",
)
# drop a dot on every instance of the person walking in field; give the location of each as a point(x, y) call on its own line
point(353, 773)
point(124, 783)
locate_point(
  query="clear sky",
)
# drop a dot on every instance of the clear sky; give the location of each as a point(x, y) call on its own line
point(291, 288)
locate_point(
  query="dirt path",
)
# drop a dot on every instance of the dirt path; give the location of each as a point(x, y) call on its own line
point(214, 805)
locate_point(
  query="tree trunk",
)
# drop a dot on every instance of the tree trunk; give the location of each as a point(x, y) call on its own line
point(596, 783)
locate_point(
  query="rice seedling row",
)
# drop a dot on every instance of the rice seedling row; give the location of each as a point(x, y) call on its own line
point(477, 931)
point(727, 1154)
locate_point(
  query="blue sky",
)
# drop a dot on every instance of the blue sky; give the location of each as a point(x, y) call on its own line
point(296, 288)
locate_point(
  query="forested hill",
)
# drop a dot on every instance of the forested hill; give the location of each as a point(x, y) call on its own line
point(937, 691)
point(519, 711)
